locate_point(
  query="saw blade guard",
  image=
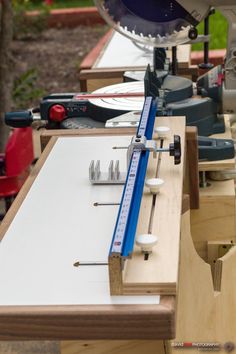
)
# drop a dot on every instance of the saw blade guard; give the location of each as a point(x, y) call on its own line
point(157, 23)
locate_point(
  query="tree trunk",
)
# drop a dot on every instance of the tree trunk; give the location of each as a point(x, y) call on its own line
point(6, 77)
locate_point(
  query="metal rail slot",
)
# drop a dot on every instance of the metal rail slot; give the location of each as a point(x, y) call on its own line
point(126, 224)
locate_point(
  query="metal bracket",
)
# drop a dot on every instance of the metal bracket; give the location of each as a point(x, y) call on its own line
point(113, 176)
point(143, 144)
point(138, 143)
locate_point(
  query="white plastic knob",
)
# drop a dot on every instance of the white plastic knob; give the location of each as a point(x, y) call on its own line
point(146, 242)
point(162, 132)
point(154, 184)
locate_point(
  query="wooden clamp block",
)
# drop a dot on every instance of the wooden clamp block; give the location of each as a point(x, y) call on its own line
point(192, 172)
point(158, 274)
point(215, 220)
point(206, 303)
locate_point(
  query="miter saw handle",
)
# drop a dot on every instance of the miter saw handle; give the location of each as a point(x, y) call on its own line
point(215, 149)
point(175, 149)
point(21, 119)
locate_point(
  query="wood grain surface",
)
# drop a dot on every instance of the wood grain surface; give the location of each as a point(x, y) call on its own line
point(160, 273)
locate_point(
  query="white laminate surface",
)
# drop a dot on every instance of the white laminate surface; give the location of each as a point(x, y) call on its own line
point(58, 225)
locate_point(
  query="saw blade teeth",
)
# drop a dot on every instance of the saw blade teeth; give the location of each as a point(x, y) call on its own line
point(136, 26)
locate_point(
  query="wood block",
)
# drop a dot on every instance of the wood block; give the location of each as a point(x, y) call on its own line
point(191, 180)
point(217, 249)
point(46, 135)
point(215, 220)
point(159, 274)
point(113, 347)
point(206, 309)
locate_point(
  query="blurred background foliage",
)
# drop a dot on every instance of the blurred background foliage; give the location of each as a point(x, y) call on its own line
point(38, 4)
point(28, 28)
point(218, 23)
point(218, 30)
point(25, 89)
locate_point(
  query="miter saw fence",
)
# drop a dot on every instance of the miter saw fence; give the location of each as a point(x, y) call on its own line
point(202, 107)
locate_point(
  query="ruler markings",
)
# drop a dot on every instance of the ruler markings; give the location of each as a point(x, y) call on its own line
point(124, 215)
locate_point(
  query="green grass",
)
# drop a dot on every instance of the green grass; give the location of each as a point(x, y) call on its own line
point(59, 4)
point(218, 30)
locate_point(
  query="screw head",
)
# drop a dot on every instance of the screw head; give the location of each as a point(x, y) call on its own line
point(193, 33)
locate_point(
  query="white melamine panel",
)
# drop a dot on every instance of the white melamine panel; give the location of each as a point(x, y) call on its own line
point(58, 225)
point(121, 52)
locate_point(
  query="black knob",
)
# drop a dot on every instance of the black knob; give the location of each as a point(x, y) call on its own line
point(19, 119)
point(193, 33)
point(175, 149)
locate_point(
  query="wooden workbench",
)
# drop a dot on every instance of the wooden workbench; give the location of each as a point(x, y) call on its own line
point(207, 277)
point(206, 300)
point(48, 229)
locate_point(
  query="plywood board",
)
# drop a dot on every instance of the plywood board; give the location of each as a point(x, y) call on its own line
point(215, 220)
point(206, 306)
point(113, 347)
point(160, 273)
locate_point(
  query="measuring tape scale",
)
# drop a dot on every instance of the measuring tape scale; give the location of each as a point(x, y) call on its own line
point(126, 224)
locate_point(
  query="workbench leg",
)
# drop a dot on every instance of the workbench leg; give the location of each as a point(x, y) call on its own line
point(215, 220)
point(206, 302)
point(113, 347)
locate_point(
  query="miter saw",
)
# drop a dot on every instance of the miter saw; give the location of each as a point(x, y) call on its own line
point(161, 24)
point(168, 23)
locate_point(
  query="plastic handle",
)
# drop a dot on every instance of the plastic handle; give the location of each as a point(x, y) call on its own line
point(20, 119)
point(175, 149)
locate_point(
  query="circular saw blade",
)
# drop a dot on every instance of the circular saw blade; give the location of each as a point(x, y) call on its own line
point(159, 23)
point(150, 18)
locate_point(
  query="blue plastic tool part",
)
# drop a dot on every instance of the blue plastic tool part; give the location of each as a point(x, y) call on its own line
point(126, 224)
